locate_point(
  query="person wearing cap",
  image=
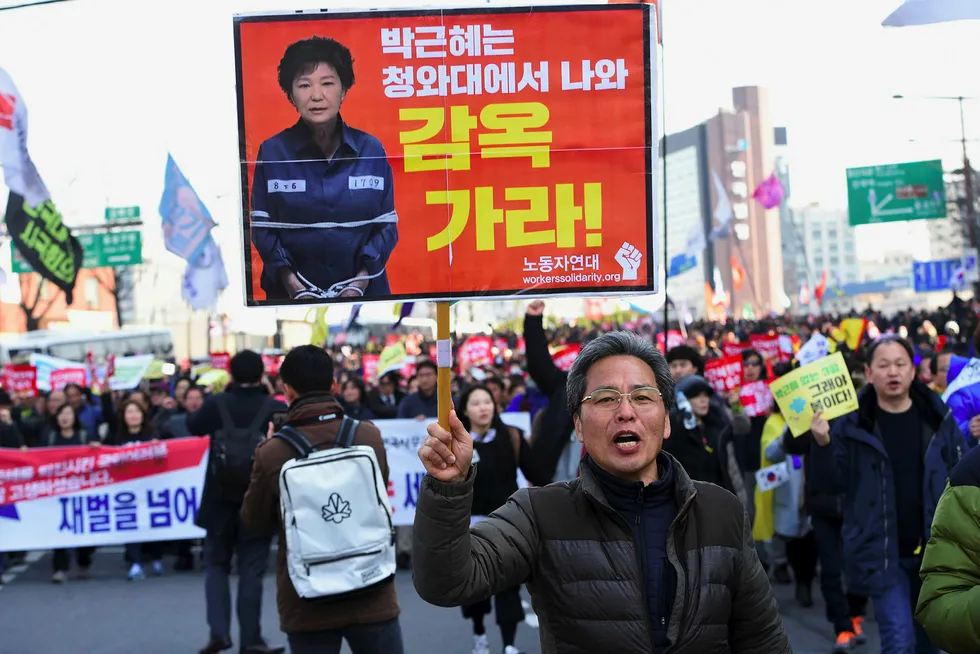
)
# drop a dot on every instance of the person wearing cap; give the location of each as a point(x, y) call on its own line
point(701, 437)
point(684, 360)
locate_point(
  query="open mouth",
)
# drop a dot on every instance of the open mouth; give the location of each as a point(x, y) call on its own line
point(626, 441)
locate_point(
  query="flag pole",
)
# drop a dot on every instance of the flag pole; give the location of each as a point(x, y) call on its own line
point(444, 359)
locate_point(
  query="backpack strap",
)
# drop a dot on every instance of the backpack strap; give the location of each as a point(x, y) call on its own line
point(348, 427)
point(226, 421)
point(299, 442)
point(261, 417)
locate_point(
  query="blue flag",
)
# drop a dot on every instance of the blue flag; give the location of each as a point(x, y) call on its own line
point(962, 394)
point(186, 221)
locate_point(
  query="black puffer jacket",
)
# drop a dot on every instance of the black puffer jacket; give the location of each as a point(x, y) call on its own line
point(578, 558)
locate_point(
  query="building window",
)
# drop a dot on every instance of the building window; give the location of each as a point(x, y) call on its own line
point(849, 246)
point(741, 210)
point(832, 233)
point(834, 262)
point(738, 169)
point(817, 234)
point(92, 293)
point(740, 189)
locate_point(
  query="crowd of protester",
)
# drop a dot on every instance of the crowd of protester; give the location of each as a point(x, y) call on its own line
point(854, 516)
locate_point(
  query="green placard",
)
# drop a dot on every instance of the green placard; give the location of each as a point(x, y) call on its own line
point(896, 192)
point(121, 214)
point(101, 250)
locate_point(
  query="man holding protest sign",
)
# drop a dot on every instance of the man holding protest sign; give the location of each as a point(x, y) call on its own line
point(582, 546)
point(891, 459)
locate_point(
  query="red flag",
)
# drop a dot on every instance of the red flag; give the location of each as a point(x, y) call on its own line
point(821, 288)
point(738, 274)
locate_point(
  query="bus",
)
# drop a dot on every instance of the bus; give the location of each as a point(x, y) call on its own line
point(75, 345)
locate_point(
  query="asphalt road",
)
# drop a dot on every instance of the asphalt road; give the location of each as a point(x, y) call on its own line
point(108, 615)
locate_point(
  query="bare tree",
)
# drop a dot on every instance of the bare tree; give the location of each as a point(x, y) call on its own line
point(119, 293)
point(33, 314)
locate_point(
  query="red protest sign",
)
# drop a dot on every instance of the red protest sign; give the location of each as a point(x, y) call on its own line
point(476, 351)
point(756, 398)
point(767, 345)
point(20, 380)
point(110, 366)
point(733, 349)
point(724, 374)
point(564, 356)
point(64, 376)
point(674, 338)
point(369, 363)
point(271, 363)
point(221, 361)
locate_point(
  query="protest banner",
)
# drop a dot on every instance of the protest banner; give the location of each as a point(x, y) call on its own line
point(824, 384)
point(64, 376)
point(369, 363)
point(63, 497)
point(756, 398)
point(817, 347)
point(724, 374)
point(767, 345)
point(734, 349)
point(474, 352)
point(20, 380)
point(221, 361)
point(126, 372)
point(405, 471)
point(484, 152)
point(672, 340)
point(565, 356)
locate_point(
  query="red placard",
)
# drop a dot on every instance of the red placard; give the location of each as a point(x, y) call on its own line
point(767, 345)
point(734, 349)
point(756, 398)
point(724, 374)
point(476, 351)
point(674, 338)
point(505, 178)
point(271, 363)
point(221, 361)
point(64, 376)
point(369, 363)
point(110, 366)
point(20, 380)
point(566, 355)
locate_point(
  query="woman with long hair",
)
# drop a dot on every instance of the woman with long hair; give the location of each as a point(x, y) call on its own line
point(134, 426)
point(500, 450)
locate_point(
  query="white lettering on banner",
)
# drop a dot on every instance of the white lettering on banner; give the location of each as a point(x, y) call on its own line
point(611, 74)
point(569, 263)
point(430, 41)
point(402, 440)
point(136, 493)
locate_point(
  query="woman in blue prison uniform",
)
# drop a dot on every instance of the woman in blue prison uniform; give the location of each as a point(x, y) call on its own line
point(323, 210)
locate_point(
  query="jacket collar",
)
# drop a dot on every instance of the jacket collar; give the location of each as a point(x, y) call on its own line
point(313, 404)
point(301, 140)
point(684, 490)
point(863, 421)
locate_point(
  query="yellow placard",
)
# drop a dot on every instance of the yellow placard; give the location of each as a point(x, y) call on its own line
point(824, 384)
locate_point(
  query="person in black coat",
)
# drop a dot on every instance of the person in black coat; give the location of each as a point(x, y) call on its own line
point(247, 400)
point(384, 400)
point(10, 435)
point(352, 396)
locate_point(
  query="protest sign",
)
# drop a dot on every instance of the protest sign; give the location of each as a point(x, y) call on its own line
point(221, 361)
point(402, 440)
point(755, 398)
point(817, 347)
point(63, 497)
point(734, 349)
point(484, 152)
point(20, 380)
point(127, 372)
point(64, 376)
point(475, 351)
point(369, 363)
point(724, 374)
point(565, 356)
point(824, 384)
point(767, 345)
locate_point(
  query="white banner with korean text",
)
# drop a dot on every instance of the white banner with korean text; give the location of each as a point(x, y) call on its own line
point(405, 470)
point(65, 497)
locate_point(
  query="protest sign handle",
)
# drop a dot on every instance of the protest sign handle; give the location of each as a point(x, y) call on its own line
point(444, 360)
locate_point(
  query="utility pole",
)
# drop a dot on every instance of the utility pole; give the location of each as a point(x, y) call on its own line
point(970, 208)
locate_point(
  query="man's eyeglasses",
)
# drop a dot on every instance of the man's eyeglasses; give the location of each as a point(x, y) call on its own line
point(609, 399)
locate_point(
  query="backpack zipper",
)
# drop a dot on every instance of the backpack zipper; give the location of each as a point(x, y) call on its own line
point(342, 557)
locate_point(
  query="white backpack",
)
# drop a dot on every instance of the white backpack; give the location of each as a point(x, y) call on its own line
point(335, 511)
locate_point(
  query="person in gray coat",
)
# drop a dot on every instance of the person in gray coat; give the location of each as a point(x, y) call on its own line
point(632, 556)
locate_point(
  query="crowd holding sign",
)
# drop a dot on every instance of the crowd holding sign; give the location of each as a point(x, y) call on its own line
point(756, 398)
point(65, 377)
point(565, 356)
point(823, 385)
point(79, 496)
point(480, 152)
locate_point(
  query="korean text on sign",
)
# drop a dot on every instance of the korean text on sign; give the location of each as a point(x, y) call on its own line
point(518, 164)
point(823, 385)
point(724, 374)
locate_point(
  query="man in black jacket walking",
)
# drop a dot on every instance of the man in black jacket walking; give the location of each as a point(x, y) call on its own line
point(246, 404)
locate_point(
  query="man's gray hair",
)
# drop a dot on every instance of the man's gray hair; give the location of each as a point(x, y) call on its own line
point(617, 344)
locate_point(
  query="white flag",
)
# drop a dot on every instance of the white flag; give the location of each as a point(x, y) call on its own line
point(19, 171)
point(203, 282)
point(928, 12)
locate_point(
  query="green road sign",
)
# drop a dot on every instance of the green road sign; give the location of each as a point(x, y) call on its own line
point(121, 214)
point(101, 250)
point(895, 192)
